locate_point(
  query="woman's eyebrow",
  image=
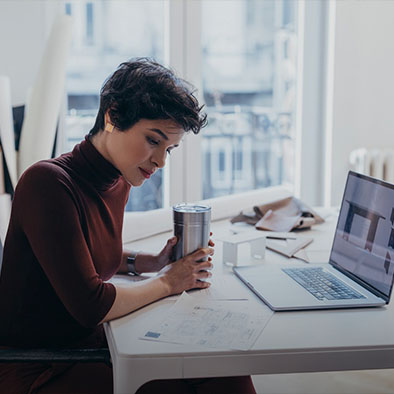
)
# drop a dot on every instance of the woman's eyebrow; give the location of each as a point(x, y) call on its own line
point(158, 131)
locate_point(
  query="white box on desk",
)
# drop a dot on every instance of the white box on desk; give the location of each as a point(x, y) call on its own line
point(230, 246)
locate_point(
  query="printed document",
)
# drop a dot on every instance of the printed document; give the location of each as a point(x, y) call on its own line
point(217, 324)
point(219, 289)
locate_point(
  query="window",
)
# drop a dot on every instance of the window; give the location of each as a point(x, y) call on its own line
point(106, 33)
point(248, 77)
point(244, 64)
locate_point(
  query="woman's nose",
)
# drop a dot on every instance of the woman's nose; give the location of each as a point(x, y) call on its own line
point(159, 159)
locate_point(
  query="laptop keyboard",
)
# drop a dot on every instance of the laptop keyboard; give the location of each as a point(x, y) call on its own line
point(322, 284)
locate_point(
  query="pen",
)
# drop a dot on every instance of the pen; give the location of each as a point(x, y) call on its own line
point(279, 237)
point(273, 236)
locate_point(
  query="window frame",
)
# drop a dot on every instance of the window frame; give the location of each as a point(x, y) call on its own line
point(180, 54)
point(182, 181)
point(312, 30)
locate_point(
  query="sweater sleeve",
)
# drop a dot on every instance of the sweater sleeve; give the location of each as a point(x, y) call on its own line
point(50, 218)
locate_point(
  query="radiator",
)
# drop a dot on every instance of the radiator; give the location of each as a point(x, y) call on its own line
point(378, 163)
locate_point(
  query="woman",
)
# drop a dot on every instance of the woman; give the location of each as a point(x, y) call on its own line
point(64, 237)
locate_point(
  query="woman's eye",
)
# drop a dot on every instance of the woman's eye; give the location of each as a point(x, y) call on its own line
point(152, 141)
point(169, 151)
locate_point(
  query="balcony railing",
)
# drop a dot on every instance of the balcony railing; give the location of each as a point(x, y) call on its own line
point(246, 148)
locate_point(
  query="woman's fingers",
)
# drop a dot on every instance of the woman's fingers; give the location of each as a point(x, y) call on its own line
point(201, 253)
point(203, 274)
point(172, 240)
point(211, 243)
point(200, 284)
point(191, 271)
point(204, 265)
point(168, 246)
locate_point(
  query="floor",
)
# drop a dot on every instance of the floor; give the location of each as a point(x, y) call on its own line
point(353, 382)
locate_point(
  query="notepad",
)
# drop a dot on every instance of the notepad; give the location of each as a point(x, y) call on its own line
point(288, 247)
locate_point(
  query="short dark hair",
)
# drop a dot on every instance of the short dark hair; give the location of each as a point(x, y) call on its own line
point(143, 89)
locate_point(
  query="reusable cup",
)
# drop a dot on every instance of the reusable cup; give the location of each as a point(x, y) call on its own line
point(191, 227)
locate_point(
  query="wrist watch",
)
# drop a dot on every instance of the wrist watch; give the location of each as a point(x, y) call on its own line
point(131, 263)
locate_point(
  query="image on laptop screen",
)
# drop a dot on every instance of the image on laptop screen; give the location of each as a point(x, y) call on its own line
point(364, 239)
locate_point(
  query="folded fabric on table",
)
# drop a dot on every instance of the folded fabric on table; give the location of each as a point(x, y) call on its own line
point(282, 215)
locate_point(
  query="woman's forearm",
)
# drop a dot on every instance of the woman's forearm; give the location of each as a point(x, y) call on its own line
point(129, 299)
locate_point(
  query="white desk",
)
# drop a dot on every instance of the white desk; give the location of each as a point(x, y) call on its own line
point(311, 341)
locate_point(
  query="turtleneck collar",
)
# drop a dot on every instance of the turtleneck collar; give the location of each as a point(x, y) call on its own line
point(92, 165)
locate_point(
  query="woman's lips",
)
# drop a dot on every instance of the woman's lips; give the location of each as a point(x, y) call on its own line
point(145, 174)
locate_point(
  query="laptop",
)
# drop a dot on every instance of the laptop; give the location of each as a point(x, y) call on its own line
point(360, 270)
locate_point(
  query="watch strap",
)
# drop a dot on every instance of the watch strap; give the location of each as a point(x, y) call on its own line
point(131, 263)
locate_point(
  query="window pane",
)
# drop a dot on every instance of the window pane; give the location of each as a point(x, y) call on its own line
point(249, 70)
point(106, 33)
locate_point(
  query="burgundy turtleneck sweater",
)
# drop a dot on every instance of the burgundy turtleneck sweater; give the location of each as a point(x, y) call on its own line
point(63, 242)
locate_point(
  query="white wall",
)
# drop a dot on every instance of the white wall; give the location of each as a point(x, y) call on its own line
point(363, 91)
point(24, 26)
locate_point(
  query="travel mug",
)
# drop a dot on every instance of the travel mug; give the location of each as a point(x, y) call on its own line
point(191, 227)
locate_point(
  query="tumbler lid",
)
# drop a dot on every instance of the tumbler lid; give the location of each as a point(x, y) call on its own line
point(191, 213)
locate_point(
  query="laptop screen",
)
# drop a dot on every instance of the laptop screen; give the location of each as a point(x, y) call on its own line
point(364, 239)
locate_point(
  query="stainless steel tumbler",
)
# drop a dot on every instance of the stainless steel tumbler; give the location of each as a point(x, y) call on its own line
point(191, 227)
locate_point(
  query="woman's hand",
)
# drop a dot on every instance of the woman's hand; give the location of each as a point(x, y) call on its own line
point(187, 273)
point(211, 243)
point(164, 257)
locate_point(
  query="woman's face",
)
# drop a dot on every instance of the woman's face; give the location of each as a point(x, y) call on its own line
point(139, 151)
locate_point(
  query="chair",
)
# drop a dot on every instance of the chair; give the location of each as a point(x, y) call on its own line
point(20, 355)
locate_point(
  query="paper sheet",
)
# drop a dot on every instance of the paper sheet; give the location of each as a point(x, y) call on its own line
point(313, 256)
point(223, 288)
point(277, 221)
point(214, 324)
